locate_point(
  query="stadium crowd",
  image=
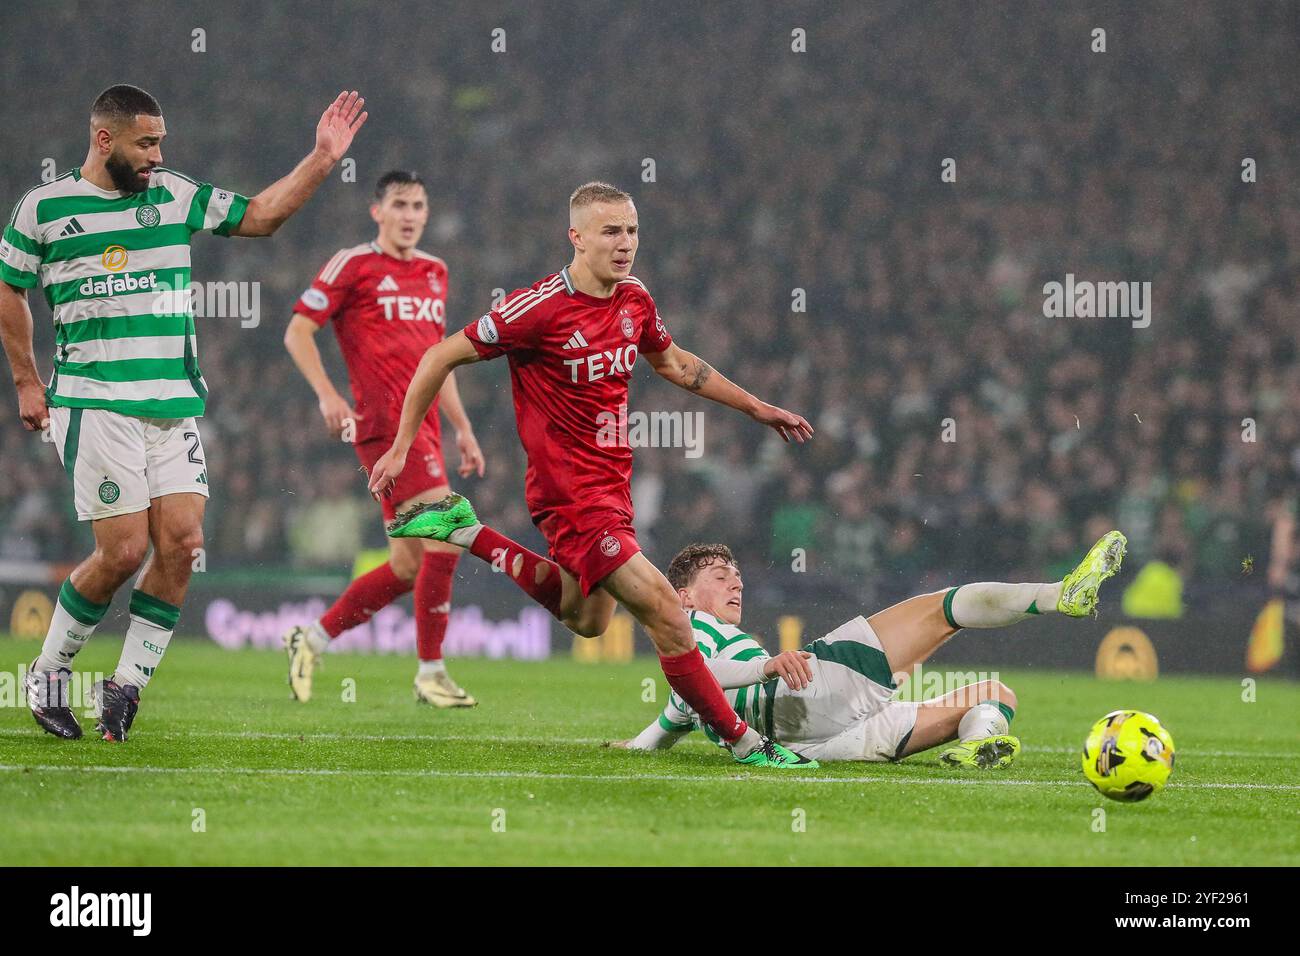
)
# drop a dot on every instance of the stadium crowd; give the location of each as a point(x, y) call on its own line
point(798, 234)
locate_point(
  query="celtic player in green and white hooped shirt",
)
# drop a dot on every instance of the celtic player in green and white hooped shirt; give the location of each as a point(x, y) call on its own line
point(834, 699)
point(115, 272)
point(109, 244)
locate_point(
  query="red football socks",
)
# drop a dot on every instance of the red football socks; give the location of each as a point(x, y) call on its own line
point(695, 684)
point(433, 602)
point(539, 578)
point(364, 596)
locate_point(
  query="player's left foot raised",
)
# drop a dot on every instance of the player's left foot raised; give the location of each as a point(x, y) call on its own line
point(771, 754)
point(441, 691)
point(1079, 589)
point(990, 753)
point(436, 519)
point(117, 704)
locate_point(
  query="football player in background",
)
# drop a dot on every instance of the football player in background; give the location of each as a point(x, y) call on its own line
point(387, 301)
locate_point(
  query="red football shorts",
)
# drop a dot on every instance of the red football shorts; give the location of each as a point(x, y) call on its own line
point(424, 469)
point(589, 543)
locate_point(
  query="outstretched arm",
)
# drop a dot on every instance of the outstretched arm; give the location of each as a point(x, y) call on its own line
point(434, 367)
point(692, 373)
point(268, 210)
point(790, 666)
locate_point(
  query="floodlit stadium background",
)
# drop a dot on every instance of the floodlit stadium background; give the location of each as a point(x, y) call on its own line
point(766, 179)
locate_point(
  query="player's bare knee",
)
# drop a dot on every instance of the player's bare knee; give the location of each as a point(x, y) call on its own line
point(585, 628)
point(585, 618)
point(584, 623)
point(186, 545)
point(404, 566)
point(123, 558)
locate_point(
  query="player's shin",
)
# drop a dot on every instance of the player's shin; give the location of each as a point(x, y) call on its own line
point(375, 589)
point(71, 626)
point(152, 623)
point(992, 604)
point(433, 586)
point(537, 577)
point(691, 678)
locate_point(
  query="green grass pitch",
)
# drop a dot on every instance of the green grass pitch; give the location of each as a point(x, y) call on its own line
point(521, 779)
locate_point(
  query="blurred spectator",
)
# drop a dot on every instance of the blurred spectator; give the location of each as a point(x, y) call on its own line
point(798, 236)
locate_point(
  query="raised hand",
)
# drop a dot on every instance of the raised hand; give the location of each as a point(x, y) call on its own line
point(339, 123)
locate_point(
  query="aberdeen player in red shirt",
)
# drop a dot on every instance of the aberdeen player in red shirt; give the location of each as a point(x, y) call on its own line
point(572, 341)
point(388, 302)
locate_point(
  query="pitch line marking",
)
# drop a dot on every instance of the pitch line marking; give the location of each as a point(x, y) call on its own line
point(621, 777)
point(572, 741)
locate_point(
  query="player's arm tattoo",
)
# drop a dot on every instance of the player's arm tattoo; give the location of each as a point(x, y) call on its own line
point(694, 379)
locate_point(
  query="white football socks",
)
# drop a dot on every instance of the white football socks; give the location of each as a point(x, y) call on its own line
point(464, 537)
point(317, 638)
point(749, 741)
point(990, 604)
point(985, 719)
point(153, 621)
point(431, 667)
point(71, 626)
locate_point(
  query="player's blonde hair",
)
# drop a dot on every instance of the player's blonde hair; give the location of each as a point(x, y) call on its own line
point(594, 192)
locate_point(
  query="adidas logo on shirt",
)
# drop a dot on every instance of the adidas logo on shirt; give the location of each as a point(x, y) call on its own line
point(576, 341)
point(388, 284)
point(73, 228)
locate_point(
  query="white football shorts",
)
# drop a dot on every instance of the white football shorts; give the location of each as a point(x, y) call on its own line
point(119, 463)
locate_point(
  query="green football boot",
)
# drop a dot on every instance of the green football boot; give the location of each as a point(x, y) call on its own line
point(990, 753)
point(435, 519)
point(1079, 589)
point(771, 754)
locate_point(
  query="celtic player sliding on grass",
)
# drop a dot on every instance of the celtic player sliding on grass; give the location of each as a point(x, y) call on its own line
point(833, 699)
point(109, 242)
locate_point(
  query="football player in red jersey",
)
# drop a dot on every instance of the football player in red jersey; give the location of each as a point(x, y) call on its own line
point(572, 340)
point(388, 303)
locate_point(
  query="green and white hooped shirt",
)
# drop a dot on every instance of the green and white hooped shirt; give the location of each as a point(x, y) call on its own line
point(718, 640)
point(115, 270)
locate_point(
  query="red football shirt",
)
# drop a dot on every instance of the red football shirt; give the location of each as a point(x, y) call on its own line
point(386, 313)
point(571, 356)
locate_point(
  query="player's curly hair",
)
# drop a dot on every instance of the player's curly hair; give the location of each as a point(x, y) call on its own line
point(693, 559)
